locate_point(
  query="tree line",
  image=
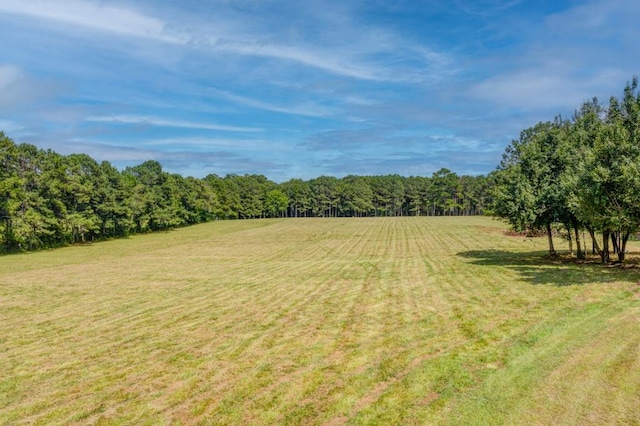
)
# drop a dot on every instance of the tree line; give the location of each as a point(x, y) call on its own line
point(576, 175)
point(49, 200)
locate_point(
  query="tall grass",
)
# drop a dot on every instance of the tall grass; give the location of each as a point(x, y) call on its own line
point(313, 321)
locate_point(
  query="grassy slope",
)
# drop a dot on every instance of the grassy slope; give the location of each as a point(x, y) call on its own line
point(357, 321)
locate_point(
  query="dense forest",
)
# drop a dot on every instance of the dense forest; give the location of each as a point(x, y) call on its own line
point(49, 200)
point(579, 174)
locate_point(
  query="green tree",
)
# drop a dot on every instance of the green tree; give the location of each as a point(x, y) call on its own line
point(299, 195)
point(149, 203)
point(113, 202)
point(416, 188)
point(11, 191)
point(325, 196)
point(529, 192)
point(227, 193)
point(276, 203)
point(606, 178)
point(356, 196)
point(442, 192)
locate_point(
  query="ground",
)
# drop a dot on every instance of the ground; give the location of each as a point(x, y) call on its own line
point(318, 321)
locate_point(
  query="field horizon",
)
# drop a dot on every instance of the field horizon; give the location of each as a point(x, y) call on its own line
point(407, 320)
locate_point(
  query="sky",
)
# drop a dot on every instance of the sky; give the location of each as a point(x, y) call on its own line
point(304, 88)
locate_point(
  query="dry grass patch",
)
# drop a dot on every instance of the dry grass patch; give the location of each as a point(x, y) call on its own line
point(314, 321)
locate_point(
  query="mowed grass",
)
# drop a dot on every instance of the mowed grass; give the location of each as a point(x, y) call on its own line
point(318, 321)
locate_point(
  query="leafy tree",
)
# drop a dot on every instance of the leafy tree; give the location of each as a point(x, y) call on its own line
point(579, 173)
point(528, 189)
point(276, 203)
point(355, 196)
point(113, 202)
point(251, 190)
point(441, 194)
point(416, 189)
point(11, 191)
point(388, 195)
point(607, 176)
point(199, 202)
point(149, 204)
point(227, 193)
point(325, 196)
point(78, 178)
point(299, 195)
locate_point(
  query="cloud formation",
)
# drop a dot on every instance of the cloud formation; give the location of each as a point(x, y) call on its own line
point(161, 122)
point(93, 15)
point(303, 88)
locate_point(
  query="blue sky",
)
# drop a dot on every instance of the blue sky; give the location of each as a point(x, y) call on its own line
point(304, 88)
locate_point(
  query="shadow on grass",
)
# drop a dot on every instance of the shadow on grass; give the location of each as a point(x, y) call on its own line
point(536, 267)
point(91, 243)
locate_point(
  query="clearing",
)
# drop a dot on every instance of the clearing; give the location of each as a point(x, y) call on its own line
point(318, 321)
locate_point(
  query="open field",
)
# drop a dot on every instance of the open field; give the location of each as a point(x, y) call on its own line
point(314, 321)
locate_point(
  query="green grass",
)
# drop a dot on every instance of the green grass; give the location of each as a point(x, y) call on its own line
point(313, 321)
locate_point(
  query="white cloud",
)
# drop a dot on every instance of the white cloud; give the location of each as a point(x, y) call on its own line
point(364, 57)
point(309, 56)
point(8, 75)
point(596, 18)
point(309, 109)
point(18, 90)
point(94, 15)
point(484, 8)
point(161, 122)
point(243, 35)
point(577, 54)
point(544, 90)
point(359, 100)
point(251, 145)
point(8, 126)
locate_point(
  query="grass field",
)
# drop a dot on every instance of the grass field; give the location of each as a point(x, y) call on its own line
point(314, 321)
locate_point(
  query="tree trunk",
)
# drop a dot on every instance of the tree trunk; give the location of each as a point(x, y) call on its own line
point(604, 251)
point(605, 246)
point(615, 242)
point(570, 238)
point(579, 253)
point(552, 250)
point(623, 246)
point(8, 231)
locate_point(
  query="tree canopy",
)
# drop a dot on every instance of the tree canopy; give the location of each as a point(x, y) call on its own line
point(578, 174)
point(49, 200)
